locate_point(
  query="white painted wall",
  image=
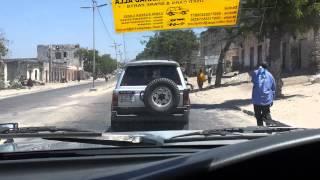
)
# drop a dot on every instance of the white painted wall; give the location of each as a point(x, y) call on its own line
point(5, 69)
point(33, 74)
point(28, 75)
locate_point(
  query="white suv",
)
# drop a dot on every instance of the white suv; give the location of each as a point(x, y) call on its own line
point(153, 90)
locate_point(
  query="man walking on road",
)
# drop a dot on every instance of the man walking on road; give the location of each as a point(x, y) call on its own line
point(263, 94)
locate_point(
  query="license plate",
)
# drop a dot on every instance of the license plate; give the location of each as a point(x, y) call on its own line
point(126, 98)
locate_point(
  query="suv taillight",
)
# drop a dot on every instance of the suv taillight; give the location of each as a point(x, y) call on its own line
point(114, 99)
point(186, 99)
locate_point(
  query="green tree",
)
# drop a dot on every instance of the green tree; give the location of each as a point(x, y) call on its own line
point(106, 64)
point(273, 19)
point(3, 45)
point(282, 17)
point(87, 57)
point(231, 34)
point(176, 45)
point(311, 14)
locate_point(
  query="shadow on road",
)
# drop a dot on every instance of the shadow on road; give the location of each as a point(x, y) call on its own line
point(290, 96)
point(225, 105)
point(235, 104)
point(147, 126)
point(223, 85)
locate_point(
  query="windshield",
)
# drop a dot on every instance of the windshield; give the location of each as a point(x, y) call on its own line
point(160, 65)
point(143, 75)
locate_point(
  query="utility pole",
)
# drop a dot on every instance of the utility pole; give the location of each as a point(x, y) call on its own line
point(120, 56)
point(115, 46)
point(124, 48)
point(50, 63)
point(93, 7)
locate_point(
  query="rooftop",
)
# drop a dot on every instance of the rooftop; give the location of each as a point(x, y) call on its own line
point(21, 60)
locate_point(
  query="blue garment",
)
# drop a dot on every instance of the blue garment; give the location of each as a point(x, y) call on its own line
point(264, 87)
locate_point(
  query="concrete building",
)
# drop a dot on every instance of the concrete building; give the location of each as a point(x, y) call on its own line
point(193, 66)
point(246, 53)
point(212, 42)
point(62, 63)
point(2, 78)
point(54, 63)
point(25, 68)
point(296, 51)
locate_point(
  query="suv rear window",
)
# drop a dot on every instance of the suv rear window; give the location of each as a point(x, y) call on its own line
point(143, 75)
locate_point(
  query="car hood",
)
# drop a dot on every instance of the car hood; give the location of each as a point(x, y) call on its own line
point(39, 144)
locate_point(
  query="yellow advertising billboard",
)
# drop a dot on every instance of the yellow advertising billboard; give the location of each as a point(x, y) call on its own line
point(149, 15)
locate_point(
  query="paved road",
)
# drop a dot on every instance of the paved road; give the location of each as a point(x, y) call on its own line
point(77, 107)
point(72, 106)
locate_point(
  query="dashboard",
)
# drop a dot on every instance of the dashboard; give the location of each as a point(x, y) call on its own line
point(293, 154)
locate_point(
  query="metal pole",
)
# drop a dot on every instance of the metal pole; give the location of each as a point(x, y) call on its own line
point(93, 34)
point(50, 64)
point(94, 6)
point(115, 49)
point(124, 48)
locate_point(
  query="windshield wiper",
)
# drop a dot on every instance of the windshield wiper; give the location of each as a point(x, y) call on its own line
point(46, 131)
point(79, 136)
point(231, 133)
point(116, 140)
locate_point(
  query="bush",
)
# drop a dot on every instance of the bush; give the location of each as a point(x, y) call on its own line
point(2, 84)
point(15, 85)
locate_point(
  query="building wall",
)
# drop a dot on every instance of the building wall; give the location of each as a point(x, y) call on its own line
point(43, 53)
point(45, 72)
point(15, 70)
point(211, 44)
point(1, 70)
point(64, 63)
point(296, 52)
point(251, 42)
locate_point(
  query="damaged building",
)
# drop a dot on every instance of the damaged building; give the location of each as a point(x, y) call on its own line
point(54, 63)
point(62, 62)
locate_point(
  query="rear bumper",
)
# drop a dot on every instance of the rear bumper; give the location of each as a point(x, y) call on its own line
point(143, 111)
point(182, 116)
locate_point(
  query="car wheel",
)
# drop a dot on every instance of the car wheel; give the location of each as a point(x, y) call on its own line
point(161, 95)
point(185, 126)
point(115, 126)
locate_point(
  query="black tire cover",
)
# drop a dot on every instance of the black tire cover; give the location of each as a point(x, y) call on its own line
point(162, 82)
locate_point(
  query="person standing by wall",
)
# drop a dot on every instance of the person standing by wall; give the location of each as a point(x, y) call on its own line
point(263, 94)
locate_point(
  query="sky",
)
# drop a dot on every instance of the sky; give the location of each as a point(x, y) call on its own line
point(28, 23)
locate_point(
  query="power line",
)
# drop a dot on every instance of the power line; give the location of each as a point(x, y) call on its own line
point(104, 25)
point(124, 48)
point(94, 6)
point(115, 46)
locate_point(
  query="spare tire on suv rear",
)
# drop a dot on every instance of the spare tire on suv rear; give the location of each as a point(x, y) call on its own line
point(161, 96)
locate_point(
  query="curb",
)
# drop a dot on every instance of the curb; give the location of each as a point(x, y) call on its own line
point(251, 113)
